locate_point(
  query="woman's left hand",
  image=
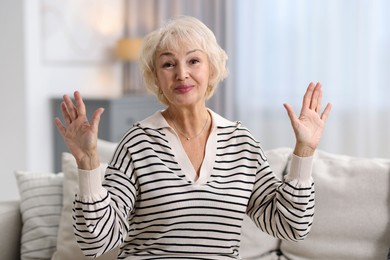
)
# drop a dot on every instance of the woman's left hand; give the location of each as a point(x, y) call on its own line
point(308, 127)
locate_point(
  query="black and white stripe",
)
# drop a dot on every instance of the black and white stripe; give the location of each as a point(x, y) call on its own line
point(154, 211)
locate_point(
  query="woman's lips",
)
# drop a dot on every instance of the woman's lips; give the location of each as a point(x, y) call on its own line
point(184, 88)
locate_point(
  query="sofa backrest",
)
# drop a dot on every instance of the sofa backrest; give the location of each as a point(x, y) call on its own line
point(352, 214)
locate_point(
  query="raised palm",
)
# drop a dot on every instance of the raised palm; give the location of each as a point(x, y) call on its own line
point(308, 127)
point(79, 134)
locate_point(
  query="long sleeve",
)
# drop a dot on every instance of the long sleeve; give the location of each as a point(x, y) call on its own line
point(150, 206)
point(284, 209)
point(101, 209)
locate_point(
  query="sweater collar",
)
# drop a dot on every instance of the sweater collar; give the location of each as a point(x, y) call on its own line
point(157, 121)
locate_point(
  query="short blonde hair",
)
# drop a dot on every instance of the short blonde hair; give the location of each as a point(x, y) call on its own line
point(171, 35)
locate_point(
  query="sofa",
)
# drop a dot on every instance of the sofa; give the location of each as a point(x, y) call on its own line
point(352, 215)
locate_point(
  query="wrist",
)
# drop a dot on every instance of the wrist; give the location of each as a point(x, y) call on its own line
point(303, 150)
point(88, 162)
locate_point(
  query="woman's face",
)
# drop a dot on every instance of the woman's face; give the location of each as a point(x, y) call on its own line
point(183, 75)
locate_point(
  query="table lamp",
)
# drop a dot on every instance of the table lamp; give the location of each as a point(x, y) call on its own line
point(127, 50)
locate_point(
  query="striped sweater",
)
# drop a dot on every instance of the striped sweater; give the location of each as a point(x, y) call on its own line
point(153, 206)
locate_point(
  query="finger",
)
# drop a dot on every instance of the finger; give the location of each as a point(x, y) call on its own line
point(307, 97)
point(72, 111)
point(96, 118)
point(65, 113)
point(326, 112)
point(60, 126)
point(319, 103)
point(290, 113)
point(315, 96)
point(79, 103)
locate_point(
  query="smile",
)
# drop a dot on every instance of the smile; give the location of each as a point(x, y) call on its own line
point(184, 88)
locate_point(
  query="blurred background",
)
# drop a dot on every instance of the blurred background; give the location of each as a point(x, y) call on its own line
point(276, 48)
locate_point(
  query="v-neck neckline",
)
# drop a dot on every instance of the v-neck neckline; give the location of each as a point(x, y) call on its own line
point(184, 161)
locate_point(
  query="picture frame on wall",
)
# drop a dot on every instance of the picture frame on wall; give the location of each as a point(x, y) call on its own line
point(76, 31)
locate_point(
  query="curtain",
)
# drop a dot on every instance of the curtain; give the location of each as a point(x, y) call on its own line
point(281, 45)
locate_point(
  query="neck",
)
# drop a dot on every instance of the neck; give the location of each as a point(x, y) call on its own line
point(189, 125)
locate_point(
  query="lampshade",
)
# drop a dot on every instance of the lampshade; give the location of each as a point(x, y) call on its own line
point(128, 48)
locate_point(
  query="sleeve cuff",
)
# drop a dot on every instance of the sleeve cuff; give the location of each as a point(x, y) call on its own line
point(90, 182)
point(300, 170)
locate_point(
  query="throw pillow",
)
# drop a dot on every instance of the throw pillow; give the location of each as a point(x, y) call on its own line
point(352, 210)
point(67, 247)
point(40, 206)
point(106, 150)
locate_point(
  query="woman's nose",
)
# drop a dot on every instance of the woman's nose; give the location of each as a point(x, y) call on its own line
point(182, 72)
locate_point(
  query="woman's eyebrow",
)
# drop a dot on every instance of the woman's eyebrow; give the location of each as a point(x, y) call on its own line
point(168, 53)
point(192, 51)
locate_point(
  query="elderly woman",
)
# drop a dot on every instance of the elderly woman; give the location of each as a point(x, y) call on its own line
point(180, 181)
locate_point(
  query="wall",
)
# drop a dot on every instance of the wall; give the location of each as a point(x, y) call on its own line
point(28, 82)
point(30, 77)
point(12, 88)
point(36, 78)
point(48, 78)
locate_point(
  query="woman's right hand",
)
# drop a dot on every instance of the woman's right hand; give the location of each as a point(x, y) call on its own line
point(80, 135)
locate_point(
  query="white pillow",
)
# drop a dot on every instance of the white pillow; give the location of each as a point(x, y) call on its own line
point(40, 206)
point(352, 210)
point(106, 150)
point(67, 247)
point(255, 244)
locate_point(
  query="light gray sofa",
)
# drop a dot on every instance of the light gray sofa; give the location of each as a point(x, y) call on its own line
point(352, 217)
point(10, 230)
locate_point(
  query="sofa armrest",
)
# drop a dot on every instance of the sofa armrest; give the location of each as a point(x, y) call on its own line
point(10, 230)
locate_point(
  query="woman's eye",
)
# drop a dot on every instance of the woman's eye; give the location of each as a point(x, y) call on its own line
point(167, 65)
point(194, 61)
